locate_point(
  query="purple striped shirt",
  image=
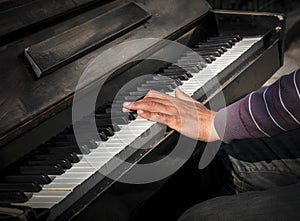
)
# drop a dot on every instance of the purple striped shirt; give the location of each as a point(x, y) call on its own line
point(266, 112)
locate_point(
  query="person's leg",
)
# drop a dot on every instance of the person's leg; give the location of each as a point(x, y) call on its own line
point(260, 164)
point(281, 203)
point(254, 164)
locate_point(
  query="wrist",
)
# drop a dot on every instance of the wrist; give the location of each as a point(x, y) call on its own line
point(214, 136)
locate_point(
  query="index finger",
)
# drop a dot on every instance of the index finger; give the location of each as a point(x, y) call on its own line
point(153, 93)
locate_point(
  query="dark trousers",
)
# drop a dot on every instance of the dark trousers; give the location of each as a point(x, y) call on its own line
point(260, 175)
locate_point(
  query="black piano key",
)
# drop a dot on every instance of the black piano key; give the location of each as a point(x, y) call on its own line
point(103, 136)
point(87, 143)
point(161, 85)
point(85, 149)
point(14, 197)
point(213, 53)
point(165, 88)
point(108, 121)
point(163, 81)
point(132, 116)
point(229, 41)
point(102, 115)
point(182, 77)
point(203, 64)
point(220, 51)
point(193, 59)
point(145, 90)
point(92, 144)
point(110, 110)
point(132, 98)
point(51, 170)
point(235, 38)
point(72, 157)
point(197, 68)
point(212, 58)
point(23, 187)
point(191, 67)
point(114, 127)
point(63, 163)
point(121, 116)
point(137, 93)
point(118, 103)
point(208, 60)
point(223, 49)
point(108, 131)
point(190, 63)
point(220, 39)
point(70, 140)
point(121, 120)
point(161, 88)
point(108, 115)
point(69, 149)
point(177, 81)
point(174, 69)
point(39, 178)
point(207, 47)
point(179, 71)
point(210, 51)
point(226, 45)
point(238, 37)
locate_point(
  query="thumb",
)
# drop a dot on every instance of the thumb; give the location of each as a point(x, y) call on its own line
point(181, 95)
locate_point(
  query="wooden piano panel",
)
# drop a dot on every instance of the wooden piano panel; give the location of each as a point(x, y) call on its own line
point(33, 101)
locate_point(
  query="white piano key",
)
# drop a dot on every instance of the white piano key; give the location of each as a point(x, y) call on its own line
point(45, 193)
point(102, 154)
point(107, 145)
point(46, 199)
point(63, 180)
point(39, 205)
point(70, 175)
point(59, 187)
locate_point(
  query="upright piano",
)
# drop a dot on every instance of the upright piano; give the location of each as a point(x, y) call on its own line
point(45, 47)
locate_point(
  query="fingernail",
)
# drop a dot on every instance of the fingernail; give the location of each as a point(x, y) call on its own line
point(140, 111)
point(125, 110)
point(127, 104)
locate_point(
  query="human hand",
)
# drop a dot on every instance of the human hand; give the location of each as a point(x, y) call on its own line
point(181, 113)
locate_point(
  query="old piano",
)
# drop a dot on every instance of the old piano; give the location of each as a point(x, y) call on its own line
point(45, 46)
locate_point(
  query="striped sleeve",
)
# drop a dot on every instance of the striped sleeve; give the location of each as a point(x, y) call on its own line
point(266, 112)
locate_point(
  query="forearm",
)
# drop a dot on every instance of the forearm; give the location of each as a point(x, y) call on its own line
point(263, 113)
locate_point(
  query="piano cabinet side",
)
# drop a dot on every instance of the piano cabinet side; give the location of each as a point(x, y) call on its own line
point(272, 26)
point(253, 23)
point(257, 72)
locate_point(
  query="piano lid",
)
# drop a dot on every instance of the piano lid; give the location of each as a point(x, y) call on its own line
point(63, 48)
point(26, 101)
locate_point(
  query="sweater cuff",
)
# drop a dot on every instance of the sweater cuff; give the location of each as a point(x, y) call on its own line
point(228, 124)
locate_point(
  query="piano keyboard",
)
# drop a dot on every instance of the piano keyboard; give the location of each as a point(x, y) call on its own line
point(58, 173)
